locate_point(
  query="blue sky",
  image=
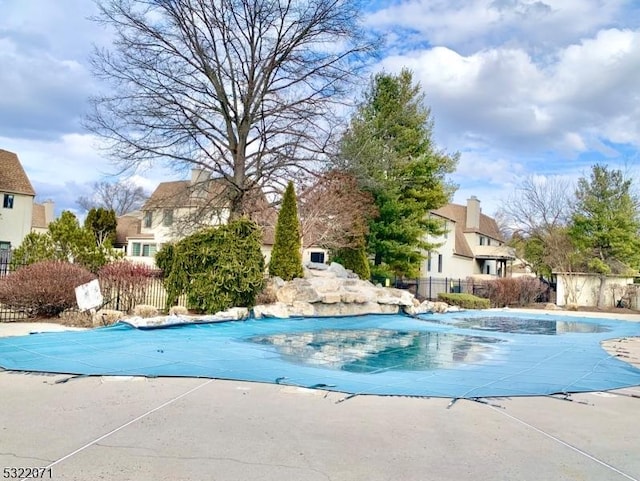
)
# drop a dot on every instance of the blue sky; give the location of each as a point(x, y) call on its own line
point(518, 87)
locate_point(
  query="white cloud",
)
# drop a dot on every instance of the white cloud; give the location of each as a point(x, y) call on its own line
point(470, 25)
point(503, 97)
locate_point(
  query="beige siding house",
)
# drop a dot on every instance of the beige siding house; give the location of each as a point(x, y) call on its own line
point(16, 201)
point(471, 245)
point(175, 210)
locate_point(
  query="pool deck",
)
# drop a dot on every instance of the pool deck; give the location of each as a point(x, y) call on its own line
point(199, 429)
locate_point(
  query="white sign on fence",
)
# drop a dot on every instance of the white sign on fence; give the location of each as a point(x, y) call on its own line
point(89, 296)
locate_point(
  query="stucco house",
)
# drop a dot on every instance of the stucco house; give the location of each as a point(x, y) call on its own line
point(471, 245)
point(178, 208)
point(16, 196)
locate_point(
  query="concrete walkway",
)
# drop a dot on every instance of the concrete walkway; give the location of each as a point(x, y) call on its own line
point(194, 429)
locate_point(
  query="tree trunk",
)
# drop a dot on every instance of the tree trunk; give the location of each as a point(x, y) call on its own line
point(600, 300)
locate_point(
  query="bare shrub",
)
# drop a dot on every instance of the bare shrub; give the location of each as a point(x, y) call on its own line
point(43, 289)
point(511, 291)
point(178, 311)
point(125, 283)
point(106, 317)
point(267, 295)
point(145, 310)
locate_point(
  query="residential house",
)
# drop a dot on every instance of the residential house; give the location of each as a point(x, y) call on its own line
point(471, 245)
point(42, 216)
point(177, 208)
point(16, 195)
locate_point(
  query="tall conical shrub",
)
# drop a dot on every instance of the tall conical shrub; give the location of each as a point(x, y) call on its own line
point(286, 257)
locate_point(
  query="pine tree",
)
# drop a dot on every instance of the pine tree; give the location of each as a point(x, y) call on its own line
point(355, 259)
point(286, 257)
point(389, 148)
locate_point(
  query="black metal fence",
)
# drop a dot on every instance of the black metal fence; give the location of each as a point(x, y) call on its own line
point(428, 288)
point(7, 314)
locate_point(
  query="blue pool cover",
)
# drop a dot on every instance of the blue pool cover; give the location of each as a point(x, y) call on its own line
point(456, 355)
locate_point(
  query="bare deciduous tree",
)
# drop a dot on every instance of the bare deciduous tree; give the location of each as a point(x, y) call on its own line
point(538, 206)
point(244, 89)
point(122, 197)
point(334, 212)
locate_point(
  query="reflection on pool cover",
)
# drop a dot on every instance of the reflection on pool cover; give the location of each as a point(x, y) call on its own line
point(375, 350)
point(520, 365)
point(525, 326)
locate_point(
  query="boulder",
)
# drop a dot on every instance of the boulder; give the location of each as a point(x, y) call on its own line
point(440, 307)
point(394, 296)
point(302, 309)
point(350, 297)
point(389, 308)
point(297, 290)
point(232, 314)
point(331, 298)
point(338, 270)
point(325, 284)
point(279, 309)
point(342, 309)
point(319, 266)
point(422, 308)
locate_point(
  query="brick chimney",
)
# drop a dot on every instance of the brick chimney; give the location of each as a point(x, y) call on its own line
point(473, 213)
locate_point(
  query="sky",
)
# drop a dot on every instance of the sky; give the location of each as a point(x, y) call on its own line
point(519, 88)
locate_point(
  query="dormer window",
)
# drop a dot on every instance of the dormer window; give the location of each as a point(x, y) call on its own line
point(148, 219)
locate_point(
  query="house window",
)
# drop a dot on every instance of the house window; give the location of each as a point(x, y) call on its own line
point(148, 219)
point(5, 246)
point(439, 262)
point(429, 262)
point(8, 201)
point(140, 249)
point(488, 241)
point(488, 269)
point(167, 217)
point(317, 257)
point(481, 240)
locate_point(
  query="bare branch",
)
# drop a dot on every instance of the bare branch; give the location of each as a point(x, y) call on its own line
point(246, 89)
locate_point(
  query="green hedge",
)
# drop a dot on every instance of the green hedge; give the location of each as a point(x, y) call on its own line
point(465, 301)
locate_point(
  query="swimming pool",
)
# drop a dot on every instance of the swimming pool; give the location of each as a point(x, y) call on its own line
point(459, 355)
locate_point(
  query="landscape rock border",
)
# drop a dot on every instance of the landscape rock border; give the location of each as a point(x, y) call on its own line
point(324, 291)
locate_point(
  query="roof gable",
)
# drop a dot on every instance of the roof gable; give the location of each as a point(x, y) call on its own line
point(13, 178)
point(458, 214)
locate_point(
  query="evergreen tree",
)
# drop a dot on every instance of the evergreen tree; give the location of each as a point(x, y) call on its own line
point(355, 259)
point(605, 225)
point(286, 256)
point(66, 241)
point(102, 223)
point(389, 148)
point(217, 268)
